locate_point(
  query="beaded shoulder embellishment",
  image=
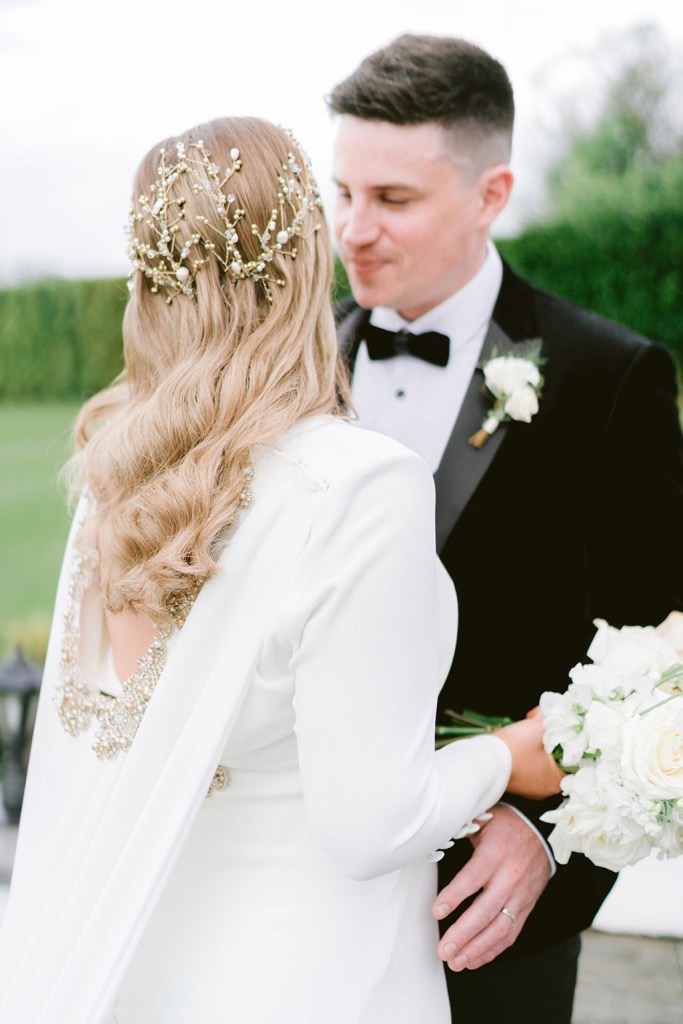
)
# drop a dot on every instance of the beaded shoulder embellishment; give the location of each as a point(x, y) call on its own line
point(221, 779)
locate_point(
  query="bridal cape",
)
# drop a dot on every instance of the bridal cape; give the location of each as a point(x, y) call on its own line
point(99, 839)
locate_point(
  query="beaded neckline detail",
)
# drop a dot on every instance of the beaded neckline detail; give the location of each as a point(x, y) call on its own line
point(77, 698)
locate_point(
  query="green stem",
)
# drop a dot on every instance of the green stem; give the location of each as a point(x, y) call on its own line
point(661, 703)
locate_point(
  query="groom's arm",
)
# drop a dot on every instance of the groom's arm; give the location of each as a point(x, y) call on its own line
point(636, 548)
point(636, 562)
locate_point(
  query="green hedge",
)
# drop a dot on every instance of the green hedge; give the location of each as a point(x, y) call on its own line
point(60, 339)
point(629, 269)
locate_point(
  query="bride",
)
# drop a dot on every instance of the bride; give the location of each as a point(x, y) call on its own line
point(234, 804)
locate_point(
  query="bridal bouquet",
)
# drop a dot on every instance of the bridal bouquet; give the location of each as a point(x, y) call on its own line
point(618, 733)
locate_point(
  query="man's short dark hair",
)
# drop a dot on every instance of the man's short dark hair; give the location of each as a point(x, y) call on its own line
point(418, 79)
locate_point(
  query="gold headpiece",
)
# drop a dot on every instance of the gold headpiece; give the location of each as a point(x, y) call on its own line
point(172, 263)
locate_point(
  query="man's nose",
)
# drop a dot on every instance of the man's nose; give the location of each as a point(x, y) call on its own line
point(357, 226)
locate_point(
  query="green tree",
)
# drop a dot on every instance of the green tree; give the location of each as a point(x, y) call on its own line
point(627, 153)
point(611, 235)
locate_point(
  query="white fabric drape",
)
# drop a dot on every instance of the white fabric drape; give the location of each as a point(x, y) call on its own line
point(99, 839)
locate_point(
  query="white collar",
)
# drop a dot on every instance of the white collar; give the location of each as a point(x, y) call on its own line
point(462, 314)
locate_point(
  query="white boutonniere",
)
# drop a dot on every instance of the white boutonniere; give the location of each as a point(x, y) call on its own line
point(515, 381)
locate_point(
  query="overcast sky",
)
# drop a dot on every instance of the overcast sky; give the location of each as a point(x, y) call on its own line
point(88, 86)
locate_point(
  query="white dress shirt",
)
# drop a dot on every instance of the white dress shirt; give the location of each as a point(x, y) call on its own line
point(416, 402)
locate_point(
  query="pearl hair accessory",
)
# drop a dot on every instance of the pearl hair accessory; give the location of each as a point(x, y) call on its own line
point(172, 263)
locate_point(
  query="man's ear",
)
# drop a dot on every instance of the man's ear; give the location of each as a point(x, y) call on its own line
point(495, 186)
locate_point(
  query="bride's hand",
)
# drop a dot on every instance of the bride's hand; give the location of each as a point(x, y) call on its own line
point(535, 774)
point(671, 631)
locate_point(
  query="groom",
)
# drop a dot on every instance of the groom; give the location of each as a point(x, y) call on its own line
point(561, 515)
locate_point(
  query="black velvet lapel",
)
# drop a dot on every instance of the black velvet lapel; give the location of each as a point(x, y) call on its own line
point(463, 467)
point(515, 309)
point(350, 322)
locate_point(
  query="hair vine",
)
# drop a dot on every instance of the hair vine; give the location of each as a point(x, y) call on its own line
point(175, 253)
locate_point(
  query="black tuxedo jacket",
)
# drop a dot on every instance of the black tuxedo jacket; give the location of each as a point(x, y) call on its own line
point(575, 516)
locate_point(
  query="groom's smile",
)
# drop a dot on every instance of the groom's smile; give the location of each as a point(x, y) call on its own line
point(411, 219)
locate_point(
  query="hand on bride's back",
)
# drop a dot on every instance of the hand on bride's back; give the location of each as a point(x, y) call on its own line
point(535, 774)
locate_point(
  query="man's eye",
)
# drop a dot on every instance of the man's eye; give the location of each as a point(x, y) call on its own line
point(395, 201)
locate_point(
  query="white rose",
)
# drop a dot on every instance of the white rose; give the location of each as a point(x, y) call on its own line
point(522, 404)
point(506, 374)
point(652, 757)
point(587, 822)
point(615, 850)
point(631, 650)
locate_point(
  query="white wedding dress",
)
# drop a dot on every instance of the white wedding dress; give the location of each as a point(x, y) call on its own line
point(301, 892)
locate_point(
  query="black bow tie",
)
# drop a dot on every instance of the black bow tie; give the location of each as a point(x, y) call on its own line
point(430, 346)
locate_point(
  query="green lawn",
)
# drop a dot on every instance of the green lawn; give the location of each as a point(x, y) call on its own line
point(34, 444)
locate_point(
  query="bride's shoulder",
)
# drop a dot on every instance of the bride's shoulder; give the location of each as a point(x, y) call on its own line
point(331, 448)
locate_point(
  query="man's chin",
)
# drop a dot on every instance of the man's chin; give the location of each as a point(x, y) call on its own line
point(366, 295)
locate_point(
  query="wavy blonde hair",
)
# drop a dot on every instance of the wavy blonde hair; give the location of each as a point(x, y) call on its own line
point(165, 449)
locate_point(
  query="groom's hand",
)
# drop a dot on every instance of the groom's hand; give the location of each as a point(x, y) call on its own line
point(510, 865)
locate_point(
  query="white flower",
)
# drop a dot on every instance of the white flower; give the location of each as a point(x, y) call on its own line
point(603, 724)
point(620, 727)
point(506, 374)
point(631, 650)
point(563, 726)
point(590, 681)
point(515, 382)
point(613, 849)
point(522, 404)
point(589, 823)
point(652, 758)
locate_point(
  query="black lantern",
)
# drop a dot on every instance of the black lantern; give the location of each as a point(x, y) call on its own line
point(19, 686)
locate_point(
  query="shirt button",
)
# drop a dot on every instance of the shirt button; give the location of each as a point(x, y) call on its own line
point(400, 393)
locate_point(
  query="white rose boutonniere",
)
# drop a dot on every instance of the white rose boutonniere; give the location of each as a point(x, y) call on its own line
point(515, 382)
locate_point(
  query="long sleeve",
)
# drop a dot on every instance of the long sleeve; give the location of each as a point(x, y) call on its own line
point(377, 636)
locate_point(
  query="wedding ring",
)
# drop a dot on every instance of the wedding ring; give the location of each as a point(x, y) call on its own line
point(509, 913)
